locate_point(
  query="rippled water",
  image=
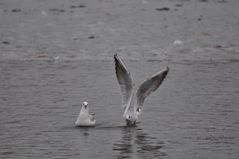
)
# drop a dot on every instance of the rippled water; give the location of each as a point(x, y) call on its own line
point(55, 54)
point(194, 114)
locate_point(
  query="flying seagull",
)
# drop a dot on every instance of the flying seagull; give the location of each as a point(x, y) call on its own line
point(84, 118)
point(133, 97)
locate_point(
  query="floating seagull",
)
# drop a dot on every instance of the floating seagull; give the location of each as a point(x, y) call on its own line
point(133, 98)
point(84, 118)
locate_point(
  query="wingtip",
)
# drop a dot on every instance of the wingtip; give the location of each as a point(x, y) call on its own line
point(115, 55)
point(167, 68)
point(166, 71)
point(116, 59)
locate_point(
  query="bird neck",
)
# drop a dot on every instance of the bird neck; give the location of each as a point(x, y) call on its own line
point(84, 111)
point(130, 108)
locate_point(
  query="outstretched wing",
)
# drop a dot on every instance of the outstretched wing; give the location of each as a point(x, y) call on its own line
point(124, 79)
point(148, 86)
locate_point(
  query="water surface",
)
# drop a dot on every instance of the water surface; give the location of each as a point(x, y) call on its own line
point(194, 114)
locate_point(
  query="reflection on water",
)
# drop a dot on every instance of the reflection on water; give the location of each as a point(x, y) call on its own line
point(196, 112)
point(84, 131)
point(136, 143)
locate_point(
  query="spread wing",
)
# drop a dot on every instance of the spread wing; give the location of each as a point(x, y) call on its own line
point(148, 86)
point(124, 79)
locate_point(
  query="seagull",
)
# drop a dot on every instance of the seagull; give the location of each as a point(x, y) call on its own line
point(84, 118)
point(133, 97)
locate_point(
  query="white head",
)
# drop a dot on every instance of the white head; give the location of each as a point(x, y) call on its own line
point(84, 108)
point(85, 103)
point(131, 119)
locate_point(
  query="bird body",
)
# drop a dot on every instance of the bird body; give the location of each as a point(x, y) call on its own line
point(84, 118)
point(133, 97)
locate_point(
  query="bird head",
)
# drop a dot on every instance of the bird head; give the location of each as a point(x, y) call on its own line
point(85, 108)
point(85, 104)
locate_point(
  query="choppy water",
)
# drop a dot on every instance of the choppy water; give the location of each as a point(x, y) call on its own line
point(55, 54)
point(194, 114)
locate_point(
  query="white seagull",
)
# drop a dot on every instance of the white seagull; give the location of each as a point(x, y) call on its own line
point(133, 98)
point(84, 118)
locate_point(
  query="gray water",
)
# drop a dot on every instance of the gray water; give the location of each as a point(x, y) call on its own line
point(55, 54)
point(194, 114)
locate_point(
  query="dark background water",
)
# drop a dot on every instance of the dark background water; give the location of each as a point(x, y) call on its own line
point(56, 54)
point(193, 115)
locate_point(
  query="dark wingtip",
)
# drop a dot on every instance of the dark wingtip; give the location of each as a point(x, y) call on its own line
point(115, 55)
point(116, 58)
point(167, 68)
point(166, 71)
point(116, 62)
